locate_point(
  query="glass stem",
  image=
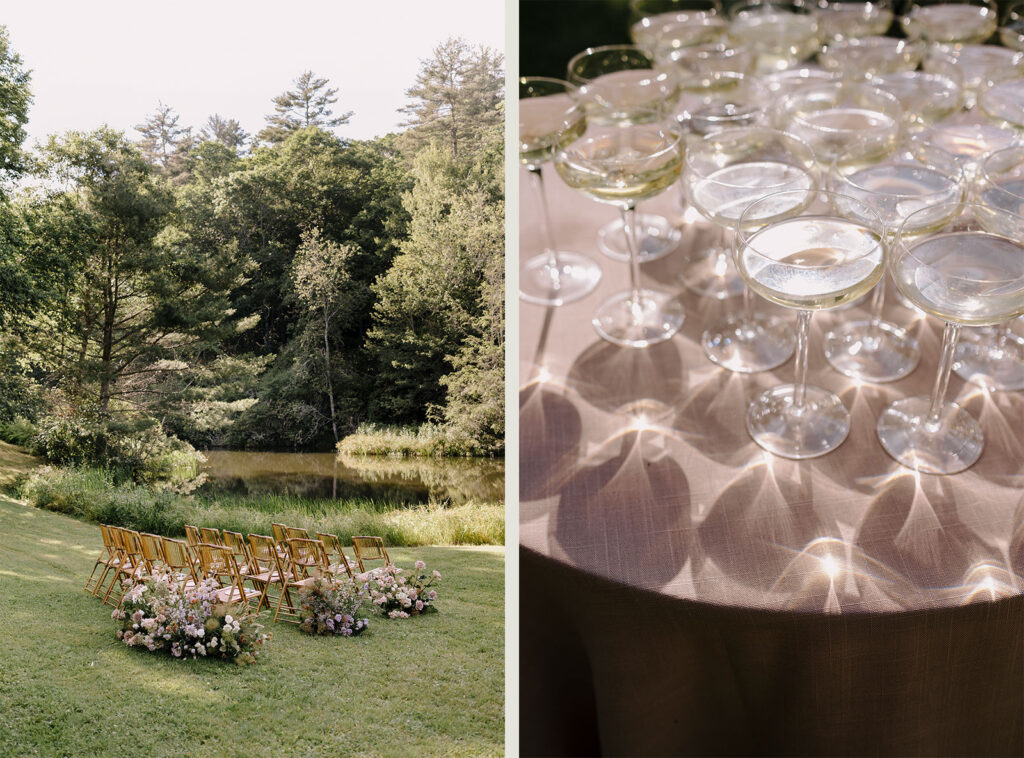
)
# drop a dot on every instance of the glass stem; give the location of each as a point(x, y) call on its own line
point(877, 302)
point(949, 338)
point(803, 333)
point(1002, 335)
point(629, 227)
point(550, 249)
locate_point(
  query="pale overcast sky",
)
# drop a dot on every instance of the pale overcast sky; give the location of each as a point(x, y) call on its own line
point(113, 61)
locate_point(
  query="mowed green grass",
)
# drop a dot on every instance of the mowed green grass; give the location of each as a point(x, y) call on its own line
point(429, 685)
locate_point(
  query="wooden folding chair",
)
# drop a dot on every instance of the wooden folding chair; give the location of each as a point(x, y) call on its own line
point(108, 559)
point(236, 542)
point(218, 562)
point(211, 536)
point(265, 568)
point(178, 558)
point(192, 536)
point(295, 533)
point(132, 563)
point(333, 546)
point(152, 551)
point(279, 533)
point(307, 559)
point(369, 549)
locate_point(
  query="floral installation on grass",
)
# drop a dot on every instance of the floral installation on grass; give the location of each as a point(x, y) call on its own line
point(328, 605)
point(188, 622)
point(399, 596)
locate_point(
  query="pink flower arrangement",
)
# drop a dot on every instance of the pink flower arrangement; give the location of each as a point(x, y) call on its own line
point(328, 605)
point(399, 596)
point(158, 614)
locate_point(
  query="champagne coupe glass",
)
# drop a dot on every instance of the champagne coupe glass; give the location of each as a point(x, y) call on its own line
point(780, 34)
point(660, 26)
point(621, 164)
point(719, 100)
point(1011, 33)
point(966, 276)
point(996, 361)
point(614, 81)
point(926, 97)
point(549, 118)
point(950, 21)
point(894, 187)
point(724, 173)
point(782, 83)
point(861, 57)
point(978, 64)
point(834, 118)
point(969, 142)
point(1002, 103)
point(849, 19)
point(812, 261)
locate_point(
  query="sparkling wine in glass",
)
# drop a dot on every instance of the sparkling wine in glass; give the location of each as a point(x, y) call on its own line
point(622, 84)
point(660, 26)
point(811, 261)
point(780, 34)
point(995, 361)
point(950, 21)
point(850, 19)
point(550, 118)
point(966, 276)
point(1011, 33)
point(725, 172)
point(838, 117)
point(977, 64)
point(875, 350)
point(1002, 103)
point(926, 96)
point(621, 164)
point(862, 57)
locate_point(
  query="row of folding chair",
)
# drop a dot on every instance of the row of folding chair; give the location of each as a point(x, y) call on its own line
point(290, 560)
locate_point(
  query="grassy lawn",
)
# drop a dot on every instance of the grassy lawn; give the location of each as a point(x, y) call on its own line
point(430, 685)
point(14, 461)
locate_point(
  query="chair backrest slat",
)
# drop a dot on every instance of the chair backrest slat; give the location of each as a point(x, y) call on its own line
point(369, 548)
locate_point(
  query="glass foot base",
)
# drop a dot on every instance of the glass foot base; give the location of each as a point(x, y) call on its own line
point(656, 235)
point(575, 277)
point(712, 274)
point(748, 346)
point(819, 427)
point(980, 361)
point(883, 354)
point(951, 445)
point(654, 318)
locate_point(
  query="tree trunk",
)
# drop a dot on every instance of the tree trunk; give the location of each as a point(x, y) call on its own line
point(109, 314)
point(327, 372)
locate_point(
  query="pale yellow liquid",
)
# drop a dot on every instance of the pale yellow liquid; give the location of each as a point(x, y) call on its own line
point(849, 20)
point(894, 191)
point(724, 194)
point(950, 22)
point(612, 98)
point(777, 38)
point(973, 278)
point(875, 55)
point(926, 98)
point(812, 263)
point(659, 35)
point(1000, 208)
point(616, 168)
point(1003, 103)
point(831, 131)
point(547, 124)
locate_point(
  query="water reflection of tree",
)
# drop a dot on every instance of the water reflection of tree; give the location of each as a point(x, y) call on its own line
point(461, 480)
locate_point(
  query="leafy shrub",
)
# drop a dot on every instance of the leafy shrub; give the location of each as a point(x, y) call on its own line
point(426, 440)
point(18, 431)
point(133, 449)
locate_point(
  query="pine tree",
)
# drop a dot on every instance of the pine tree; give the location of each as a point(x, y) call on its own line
point(15, 98)
point(306, 105)
point(226, 131)
point(458, 99)
point(165, 144)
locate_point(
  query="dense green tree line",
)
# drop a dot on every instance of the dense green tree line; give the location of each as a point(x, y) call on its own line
point(268, 292)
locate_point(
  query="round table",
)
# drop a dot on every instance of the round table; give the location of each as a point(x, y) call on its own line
point(684, 592)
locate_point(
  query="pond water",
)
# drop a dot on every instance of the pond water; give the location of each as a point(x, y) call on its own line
point(404, 481)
